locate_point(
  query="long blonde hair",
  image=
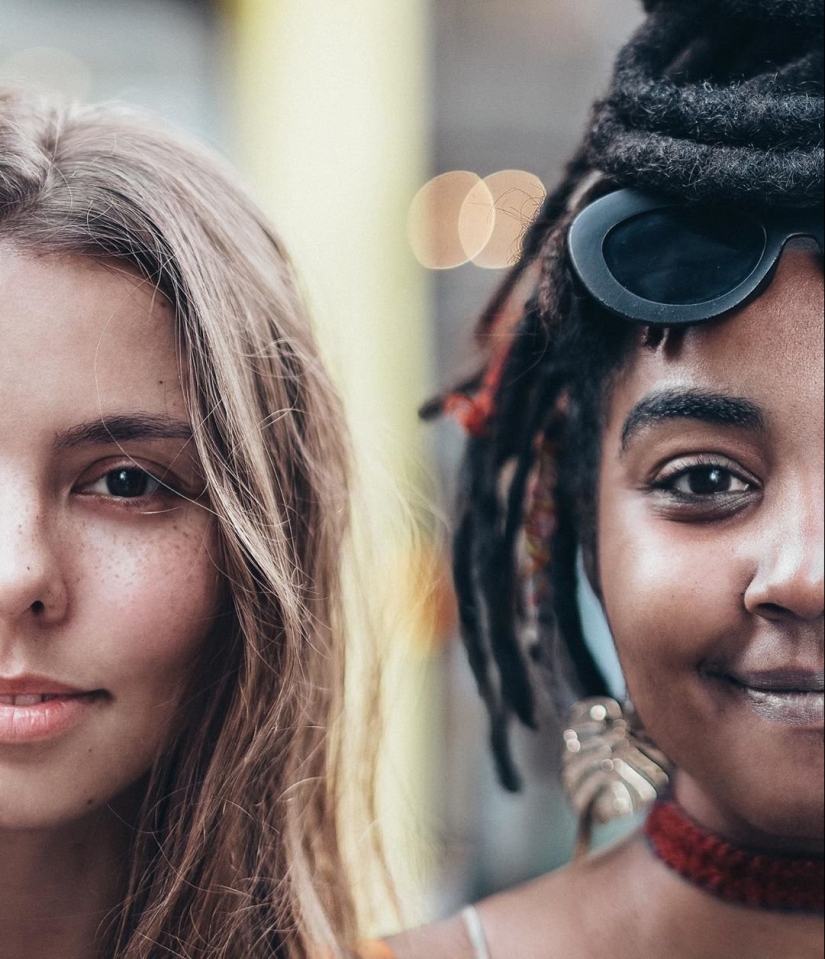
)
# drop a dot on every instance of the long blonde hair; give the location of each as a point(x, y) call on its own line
point(237, 852)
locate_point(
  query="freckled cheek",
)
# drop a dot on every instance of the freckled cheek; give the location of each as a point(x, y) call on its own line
point(145, 597)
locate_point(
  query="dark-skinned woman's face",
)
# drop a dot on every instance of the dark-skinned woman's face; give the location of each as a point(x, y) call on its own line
point(710, 542)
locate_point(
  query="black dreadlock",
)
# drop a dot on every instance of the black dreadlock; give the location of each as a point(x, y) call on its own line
point(712, 100)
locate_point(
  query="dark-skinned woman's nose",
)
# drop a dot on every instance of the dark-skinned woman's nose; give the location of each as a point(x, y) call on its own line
point(789, 581)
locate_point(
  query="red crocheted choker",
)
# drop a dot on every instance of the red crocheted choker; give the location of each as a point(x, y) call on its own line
point(735, 875)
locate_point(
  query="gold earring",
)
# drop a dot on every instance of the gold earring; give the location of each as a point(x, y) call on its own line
point(610, 768)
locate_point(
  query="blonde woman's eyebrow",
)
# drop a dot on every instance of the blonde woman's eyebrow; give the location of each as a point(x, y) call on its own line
point(122, 428)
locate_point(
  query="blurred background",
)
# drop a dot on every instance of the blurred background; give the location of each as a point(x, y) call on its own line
point(401, 146)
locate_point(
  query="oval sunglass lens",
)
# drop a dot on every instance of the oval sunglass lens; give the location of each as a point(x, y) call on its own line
point(682, 255)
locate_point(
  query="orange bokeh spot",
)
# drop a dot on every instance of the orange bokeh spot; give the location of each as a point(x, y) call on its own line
point(377, 950)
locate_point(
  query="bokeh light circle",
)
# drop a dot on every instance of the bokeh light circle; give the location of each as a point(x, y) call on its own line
point(49, 69)
point(451, 220)
point(477, 220)
point(517, 197)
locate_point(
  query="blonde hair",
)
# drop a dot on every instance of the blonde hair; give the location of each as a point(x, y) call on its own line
point(237, 852)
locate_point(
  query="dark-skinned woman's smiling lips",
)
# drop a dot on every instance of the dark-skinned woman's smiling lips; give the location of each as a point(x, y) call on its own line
point(792, 697)
point(35, 709)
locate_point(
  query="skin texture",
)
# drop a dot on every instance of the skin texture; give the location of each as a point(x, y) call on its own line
point(97, 591)
point(693, 589)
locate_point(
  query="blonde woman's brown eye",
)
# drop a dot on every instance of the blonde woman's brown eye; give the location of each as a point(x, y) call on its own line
point(127, 483)
point(707, 481)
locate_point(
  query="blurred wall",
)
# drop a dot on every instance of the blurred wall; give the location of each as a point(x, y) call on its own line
point(162, 54)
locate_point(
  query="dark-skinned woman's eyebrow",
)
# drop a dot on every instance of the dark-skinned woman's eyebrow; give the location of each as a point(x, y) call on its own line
point(123, 428)
point(717, 409)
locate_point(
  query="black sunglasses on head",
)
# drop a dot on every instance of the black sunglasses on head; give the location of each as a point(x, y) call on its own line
point(658, 261)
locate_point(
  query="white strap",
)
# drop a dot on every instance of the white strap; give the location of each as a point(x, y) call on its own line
point(475, 930)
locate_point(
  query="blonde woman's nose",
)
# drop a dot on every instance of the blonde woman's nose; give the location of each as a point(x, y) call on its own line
point(31, 584)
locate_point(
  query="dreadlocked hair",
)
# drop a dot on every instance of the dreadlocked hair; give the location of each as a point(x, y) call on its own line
point(712, 100)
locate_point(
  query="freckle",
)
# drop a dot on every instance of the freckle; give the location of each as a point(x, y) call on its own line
point(90, 802)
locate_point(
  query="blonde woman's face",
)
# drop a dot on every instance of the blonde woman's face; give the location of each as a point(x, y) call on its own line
point(108, 586)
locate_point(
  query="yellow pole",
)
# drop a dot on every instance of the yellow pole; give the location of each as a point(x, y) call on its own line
point(331, 116)
point(332, 134)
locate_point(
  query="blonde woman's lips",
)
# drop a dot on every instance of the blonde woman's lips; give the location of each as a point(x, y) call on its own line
point(35, 710)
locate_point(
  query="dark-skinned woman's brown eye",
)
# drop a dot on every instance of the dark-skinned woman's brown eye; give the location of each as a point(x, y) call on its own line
point(707, 481)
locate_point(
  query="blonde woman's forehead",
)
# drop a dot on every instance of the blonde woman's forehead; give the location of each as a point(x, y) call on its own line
point(79, 337)
point(33, 279)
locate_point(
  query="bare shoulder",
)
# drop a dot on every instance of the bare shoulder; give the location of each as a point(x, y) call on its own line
point(574, 908)
point(515, 923)
point(528, 917)
point(447, 940)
